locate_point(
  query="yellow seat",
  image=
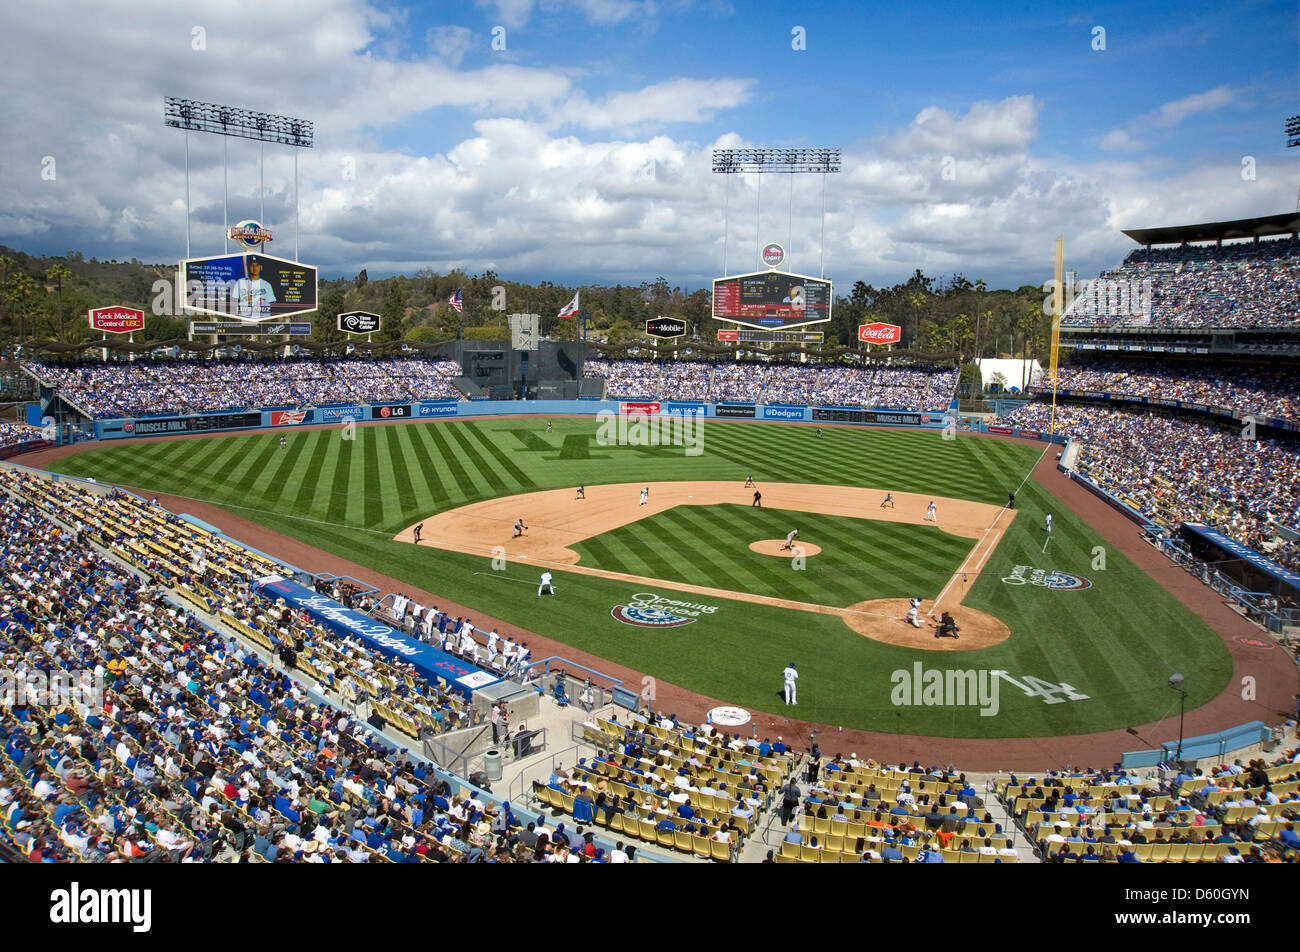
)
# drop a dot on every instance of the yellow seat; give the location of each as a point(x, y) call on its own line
point(811, 854)
point(721, 851)
point(789, 850)
point(648, 831)
point(700, 846)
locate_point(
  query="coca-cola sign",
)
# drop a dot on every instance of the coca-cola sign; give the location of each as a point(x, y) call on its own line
point(880, 333)
point(116, 320)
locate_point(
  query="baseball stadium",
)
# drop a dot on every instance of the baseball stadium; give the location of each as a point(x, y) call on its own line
point(802, 575)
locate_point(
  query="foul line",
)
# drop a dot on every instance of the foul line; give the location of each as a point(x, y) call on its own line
point(983, 538)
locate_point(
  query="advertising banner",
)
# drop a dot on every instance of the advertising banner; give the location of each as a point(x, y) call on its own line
point(441, 409)
point(734, 410)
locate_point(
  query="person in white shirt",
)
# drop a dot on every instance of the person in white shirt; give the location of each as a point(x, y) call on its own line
point(546, 584)
point(253, 296)
point(791, 676)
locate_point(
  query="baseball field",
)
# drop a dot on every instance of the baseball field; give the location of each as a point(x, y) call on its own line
point(693, 587)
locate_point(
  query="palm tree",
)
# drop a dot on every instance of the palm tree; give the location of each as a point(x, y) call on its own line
point(57, 273)
point(21, 292)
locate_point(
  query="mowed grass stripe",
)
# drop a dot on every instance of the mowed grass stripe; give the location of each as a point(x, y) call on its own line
point(733, 529)
point(337, 507)
point(402, 456)
point(276, 480)
point(257, 461)
point(456, 431)
point(433, 494)
point(312, 494)
point(485, 440)
point(369, 484)
point(643, 555)
point(468, 489)
point(680, 534)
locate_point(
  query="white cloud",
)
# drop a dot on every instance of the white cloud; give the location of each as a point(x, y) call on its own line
point(1136, 134)
point(678, 100)
point(553, 183)
point(450, 43)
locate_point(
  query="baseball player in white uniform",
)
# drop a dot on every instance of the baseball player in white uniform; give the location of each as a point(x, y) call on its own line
point(913, 613)
point(931, 512)
point(1049, 522)
point(789, 539)
point(546, 584)
point(791, 676)
point(645, 495)
point(493, 638)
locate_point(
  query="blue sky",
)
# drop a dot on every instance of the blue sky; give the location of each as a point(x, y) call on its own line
point(972, 135)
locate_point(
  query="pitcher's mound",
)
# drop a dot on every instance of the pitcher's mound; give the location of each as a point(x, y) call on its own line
point(773, 547)
point(882, 619)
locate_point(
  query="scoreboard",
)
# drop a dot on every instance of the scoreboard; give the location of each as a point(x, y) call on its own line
point(772, 300)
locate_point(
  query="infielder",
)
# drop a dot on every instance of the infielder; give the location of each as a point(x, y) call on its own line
point(1049, 522)
point(582, 493)
point(931, 512)
point(419, 527)
point(645, 495)
point(546, 584)
point(913, 613)
point(749, 482)
point(519, 528)
point(791, 676)
point(887, 501)
point(789, 539)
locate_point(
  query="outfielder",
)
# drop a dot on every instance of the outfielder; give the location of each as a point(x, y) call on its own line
point(913, 612)
point(931, 512)
point(546, 584)
point(645, 495)
point(1049, 522)
point(789, 539)
point(791, 676)
point(887, 501)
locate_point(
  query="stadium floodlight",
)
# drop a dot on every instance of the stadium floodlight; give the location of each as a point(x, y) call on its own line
point(191, 115)
point(1293, 132)
point(789, 161)
point(198, 116)
point(732, 161)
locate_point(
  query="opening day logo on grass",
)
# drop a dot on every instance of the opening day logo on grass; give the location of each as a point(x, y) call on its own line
point(1055, 580)
point(647, 610)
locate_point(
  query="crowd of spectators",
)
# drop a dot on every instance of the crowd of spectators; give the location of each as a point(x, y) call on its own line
point(190, 386)
point(1240, 285)
point(11, 434)
point(1175, 470)
point(1232, 813)
point(899, 388)
point(191, 747)
point(1260, 390)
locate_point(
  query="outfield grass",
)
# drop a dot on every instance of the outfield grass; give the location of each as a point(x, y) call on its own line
point(1116, 642)
point(709, 545)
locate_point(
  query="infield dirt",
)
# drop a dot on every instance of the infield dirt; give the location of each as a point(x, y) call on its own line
point(556, 520)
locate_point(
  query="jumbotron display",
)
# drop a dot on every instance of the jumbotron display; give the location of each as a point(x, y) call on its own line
point(772, 299)
point(253, 287)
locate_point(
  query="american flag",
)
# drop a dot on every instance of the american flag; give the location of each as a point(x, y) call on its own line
point(456, 302)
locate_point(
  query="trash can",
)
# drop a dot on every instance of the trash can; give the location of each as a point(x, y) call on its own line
point(492, 763)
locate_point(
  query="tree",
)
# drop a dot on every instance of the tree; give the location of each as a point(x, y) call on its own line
point(57, 273)
point(392, 314)
point(361, 280)
point(21, 293)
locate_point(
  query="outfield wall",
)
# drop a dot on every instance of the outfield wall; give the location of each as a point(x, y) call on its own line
point(226, 421)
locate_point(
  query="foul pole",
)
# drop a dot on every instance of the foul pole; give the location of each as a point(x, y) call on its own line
point(1058, 293)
